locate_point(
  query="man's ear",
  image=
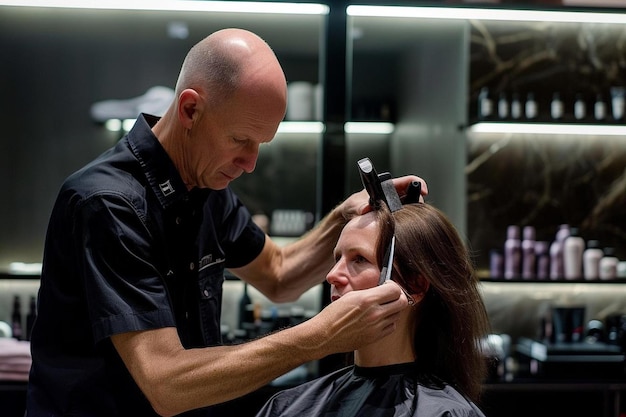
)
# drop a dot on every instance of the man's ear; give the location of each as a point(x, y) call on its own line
point(189, 107)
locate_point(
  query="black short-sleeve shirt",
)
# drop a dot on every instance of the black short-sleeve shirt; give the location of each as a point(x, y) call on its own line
point(128, 248)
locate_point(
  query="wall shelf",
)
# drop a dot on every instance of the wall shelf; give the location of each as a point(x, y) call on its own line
point(549, 128)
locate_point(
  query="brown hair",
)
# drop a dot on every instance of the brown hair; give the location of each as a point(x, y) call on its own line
point(452, 319)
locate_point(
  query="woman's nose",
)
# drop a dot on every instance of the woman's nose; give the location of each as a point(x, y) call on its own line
point(336, 276)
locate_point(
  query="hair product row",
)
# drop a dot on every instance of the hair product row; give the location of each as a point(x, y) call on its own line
point(567, 257)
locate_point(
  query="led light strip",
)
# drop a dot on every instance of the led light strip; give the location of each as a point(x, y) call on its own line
point(549, 128)
point(179, 5)
point(382, 128)
point(115, 125)
point(300, 127)
point(469, 13)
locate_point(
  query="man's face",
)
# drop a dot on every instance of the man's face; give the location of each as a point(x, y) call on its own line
point(226, 142)
point(355, 257)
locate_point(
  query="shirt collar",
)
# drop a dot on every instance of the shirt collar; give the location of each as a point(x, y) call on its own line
point(159, 169)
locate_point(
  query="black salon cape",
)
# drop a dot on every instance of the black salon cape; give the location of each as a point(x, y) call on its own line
point(393, 390)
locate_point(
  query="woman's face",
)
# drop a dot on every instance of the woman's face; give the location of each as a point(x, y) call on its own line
point(355, 257)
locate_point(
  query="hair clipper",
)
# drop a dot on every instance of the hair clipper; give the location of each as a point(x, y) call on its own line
point(380, 187)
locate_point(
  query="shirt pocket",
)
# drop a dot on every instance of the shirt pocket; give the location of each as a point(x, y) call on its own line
point(210, 287)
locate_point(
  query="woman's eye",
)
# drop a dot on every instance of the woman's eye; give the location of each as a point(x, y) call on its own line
point(359, 259)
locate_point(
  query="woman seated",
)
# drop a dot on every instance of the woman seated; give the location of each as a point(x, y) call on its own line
point(432, 364)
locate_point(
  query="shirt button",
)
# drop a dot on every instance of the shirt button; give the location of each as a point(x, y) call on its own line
point(206, 293)
point(191, 266)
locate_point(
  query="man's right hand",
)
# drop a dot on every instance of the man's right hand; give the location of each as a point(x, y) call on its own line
point(358, 203)
point(358, 318)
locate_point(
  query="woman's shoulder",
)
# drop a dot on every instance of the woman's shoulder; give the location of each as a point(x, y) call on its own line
point(442, 399)
point(304, 399)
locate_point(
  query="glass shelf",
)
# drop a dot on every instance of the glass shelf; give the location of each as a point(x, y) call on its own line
point(549, 128)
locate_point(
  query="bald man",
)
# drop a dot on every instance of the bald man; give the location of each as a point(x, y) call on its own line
point(138, 242)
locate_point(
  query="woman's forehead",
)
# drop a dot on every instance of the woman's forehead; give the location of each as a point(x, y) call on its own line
point(361, 222)
point(365, 224)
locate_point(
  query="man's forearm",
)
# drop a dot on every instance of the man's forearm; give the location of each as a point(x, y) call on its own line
point(308, 260)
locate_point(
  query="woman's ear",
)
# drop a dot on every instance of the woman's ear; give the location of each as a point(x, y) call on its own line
point(422, 288)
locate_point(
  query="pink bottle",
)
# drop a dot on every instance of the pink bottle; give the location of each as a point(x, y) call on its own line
point(556, 253)
point(529, 264)
point(512, 253)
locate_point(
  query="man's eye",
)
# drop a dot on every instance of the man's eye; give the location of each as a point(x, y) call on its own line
point(239, 141)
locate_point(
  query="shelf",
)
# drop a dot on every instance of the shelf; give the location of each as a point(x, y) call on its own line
point(500, 14)
point(549, 128)
point(550, 281)
point(182, 6)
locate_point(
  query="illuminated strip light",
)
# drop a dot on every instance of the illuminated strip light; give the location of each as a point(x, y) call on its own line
point(382, 128)
point(549, 128)
point(179, 5)
point(22, 268)
point(301, 127)
point(469, 13)
point(115, 125)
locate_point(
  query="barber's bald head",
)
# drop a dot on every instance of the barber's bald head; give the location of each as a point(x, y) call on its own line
point(231, 96)
point(229, 60)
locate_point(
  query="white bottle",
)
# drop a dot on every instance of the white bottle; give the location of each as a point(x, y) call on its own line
point(503, 106)
point(556, 253)
point(591, 260)
point(531, 106)
point(617, 102)
point(608, 265)
point(529, 264)
point(556, 107)
point(512, 253)
point(573, 249)
point(485, 104)
point(599, 109)
point(580, 108)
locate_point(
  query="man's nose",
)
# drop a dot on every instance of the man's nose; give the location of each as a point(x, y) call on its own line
point(247, 161)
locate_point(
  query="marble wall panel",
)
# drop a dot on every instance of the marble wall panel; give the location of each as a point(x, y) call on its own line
point(537, 179)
